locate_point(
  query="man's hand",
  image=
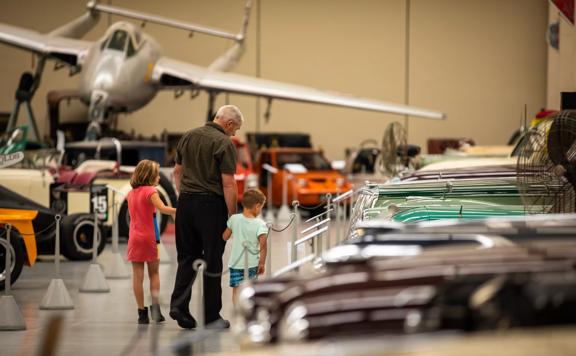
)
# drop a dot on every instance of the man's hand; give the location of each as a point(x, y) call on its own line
point(261, 268)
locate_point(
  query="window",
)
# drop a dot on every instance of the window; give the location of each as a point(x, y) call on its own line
point(313, 161)
point(118, 41)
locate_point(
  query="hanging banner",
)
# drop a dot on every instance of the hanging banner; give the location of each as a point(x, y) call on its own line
point(566, 7)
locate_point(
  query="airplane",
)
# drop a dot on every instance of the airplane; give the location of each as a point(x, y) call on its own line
point(125, 69)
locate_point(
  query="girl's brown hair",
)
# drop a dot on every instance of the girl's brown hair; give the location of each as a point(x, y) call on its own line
point(145, 173)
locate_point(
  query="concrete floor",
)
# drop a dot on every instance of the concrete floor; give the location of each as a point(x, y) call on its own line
point(105, 323)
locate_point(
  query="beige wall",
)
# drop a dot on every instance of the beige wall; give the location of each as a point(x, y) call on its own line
point(479, 61)
point(561, 63)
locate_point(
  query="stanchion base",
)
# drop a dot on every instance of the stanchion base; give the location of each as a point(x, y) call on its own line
point(164, 256)
point(57, 297)
point(283, 214)
point(117, 268)
point(95, 282)
point(10, 316)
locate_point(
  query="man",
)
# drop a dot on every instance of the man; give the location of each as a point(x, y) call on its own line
point(204, 176)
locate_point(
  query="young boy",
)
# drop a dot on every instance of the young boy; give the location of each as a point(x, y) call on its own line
point(247, 228)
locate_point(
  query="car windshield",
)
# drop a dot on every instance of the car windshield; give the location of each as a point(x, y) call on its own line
point(313, 161)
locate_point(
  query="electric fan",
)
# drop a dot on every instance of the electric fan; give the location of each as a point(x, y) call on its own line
point(546, 165)
point(392, 162)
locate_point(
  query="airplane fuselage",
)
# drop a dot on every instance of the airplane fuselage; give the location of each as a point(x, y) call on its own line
point(121, 64)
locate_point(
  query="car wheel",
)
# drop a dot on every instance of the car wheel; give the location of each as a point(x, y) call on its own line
point(77, 236)
point(18, 257)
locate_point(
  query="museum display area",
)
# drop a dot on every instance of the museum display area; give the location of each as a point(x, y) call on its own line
point(403, 172)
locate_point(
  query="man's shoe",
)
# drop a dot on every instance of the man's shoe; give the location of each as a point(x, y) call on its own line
point(218, 324)
point(184, 321)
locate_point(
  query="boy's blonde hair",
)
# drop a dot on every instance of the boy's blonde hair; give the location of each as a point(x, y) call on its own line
point(145, 173)
point(252, 197)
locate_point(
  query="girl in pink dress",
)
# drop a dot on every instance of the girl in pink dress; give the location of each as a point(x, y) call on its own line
point(143, 200)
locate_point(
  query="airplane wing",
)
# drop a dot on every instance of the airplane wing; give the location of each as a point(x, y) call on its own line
point(64, 49)
point(174, 74)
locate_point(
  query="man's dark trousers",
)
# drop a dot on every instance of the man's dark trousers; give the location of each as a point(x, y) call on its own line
point(200, 221)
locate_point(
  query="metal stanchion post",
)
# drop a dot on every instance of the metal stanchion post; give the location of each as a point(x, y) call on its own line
point(117, 268)
point(95, 238)
point(114, 224)
point(284, 212)
point(57, 247)
point(8, 265)
point(245, 252)
point(200, 266)
point(293, 252)
point(57, 296)
point(338, 222)
point(316, 241)
point(10, 316)
point(269, 172)
point(326, 243)
point(95, 282)
point(7, 268)
point(269, 251)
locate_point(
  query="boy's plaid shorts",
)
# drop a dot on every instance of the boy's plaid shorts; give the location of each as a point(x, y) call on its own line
point(237, 275)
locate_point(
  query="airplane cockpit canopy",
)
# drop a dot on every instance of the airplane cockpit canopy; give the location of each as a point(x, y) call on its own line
point(121, 39)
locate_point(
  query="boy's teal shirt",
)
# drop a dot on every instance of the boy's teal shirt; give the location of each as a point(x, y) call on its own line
point(245, 229)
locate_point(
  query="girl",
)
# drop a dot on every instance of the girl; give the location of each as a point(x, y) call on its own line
point(143, 200)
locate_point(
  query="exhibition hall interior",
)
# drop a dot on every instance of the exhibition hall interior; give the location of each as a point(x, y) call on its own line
point(272, 177)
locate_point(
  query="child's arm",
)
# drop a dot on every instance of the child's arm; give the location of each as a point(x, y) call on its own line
point(226, 235)
point(263, 251)
point(159, 204)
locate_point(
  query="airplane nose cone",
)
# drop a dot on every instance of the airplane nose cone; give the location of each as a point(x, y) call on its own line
point(103, 81)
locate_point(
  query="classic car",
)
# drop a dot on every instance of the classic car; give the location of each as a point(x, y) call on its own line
point(348, 297)
point(309, 175)
point(494, 246)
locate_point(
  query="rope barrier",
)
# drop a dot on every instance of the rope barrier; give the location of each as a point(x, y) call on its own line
point(312, 207)
point(35, 233)
point(292, 217)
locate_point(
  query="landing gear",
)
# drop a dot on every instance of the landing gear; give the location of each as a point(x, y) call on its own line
point(97, 115)
point(26, 89)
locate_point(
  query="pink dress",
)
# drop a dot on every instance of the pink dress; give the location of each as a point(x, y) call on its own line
point(142, 240)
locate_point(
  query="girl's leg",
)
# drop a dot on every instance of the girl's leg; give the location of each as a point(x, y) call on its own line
point(154, 277)
point(137, 281)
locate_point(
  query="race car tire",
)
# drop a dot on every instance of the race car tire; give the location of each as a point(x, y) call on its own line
point(77, 236)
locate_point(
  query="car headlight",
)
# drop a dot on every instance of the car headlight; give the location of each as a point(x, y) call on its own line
point(294, 326)
point(302, 182)
point(259, 331)
point(251, 181)
point(244, 301)
point(340, 182)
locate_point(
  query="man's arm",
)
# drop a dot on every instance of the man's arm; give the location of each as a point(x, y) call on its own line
point(177, 176)
point(230, 192)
